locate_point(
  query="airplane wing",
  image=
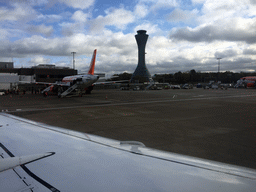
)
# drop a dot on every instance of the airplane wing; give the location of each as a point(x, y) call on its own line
point(46, 83)
point(31, 82)
point(81, 162)
point(110, 82)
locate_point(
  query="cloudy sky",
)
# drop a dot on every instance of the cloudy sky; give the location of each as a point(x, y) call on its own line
point(183, 34)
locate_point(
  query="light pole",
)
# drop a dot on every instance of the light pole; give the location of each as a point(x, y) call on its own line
point(73, 59)
point(219, 67)
point(219, 64)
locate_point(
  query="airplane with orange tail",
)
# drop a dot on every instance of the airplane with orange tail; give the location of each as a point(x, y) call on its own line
point(75, 83)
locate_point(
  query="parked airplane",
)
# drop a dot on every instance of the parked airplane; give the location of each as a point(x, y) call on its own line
point(38, 157)
point(77, 83)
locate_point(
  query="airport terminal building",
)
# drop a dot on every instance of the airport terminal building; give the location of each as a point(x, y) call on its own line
point(10, 77)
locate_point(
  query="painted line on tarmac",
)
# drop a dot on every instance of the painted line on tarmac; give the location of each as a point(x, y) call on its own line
point(130, 103)
point(199, 96)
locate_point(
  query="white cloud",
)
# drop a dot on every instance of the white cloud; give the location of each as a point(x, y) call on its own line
point(150, 28)
point(80, 16)
point(78, 26)
point(227, 53)
point(215, 5)
point(39, 60)
point(29, 2)
point(117, 52)
point(49, 18)
point(250, 50)
point(179, 15)
point(159, 50)
point(69, 29)
point(141, 10)
point(227, 30)
point(158, 4)
point(117, 17)
point(214, 10)
point(159, 42)
point(3, 34)
point(40, 29)
point(80, 4)
point(35, 45)
point(113, 48)
point(236, 29)
point(18, 13)
point(198, 1)
point(109, 43)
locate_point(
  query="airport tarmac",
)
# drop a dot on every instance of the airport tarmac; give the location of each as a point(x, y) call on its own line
point(212, 124)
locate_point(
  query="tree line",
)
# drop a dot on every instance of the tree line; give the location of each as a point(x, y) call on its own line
point(191, 77)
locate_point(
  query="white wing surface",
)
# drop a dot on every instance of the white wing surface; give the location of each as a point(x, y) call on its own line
point(90, 163)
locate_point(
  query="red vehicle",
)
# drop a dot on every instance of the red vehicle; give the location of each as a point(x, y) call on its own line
point(246, 81)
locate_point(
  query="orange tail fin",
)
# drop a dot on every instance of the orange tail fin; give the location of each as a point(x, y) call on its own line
point(91, 70)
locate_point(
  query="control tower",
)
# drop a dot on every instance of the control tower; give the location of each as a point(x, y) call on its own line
point(141, 73)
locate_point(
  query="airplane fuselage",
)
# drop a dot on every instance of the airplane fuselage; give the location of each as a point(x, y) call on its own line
point(83, 81)
point(77, 83)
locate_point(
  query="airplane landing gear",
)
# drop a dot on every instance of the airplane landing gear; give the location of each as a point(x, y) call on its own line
point(88, 91)
point(59, 92)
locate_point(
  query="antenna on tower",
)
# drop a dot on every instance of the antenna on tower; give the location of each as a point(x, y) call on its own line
point(73, 59)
